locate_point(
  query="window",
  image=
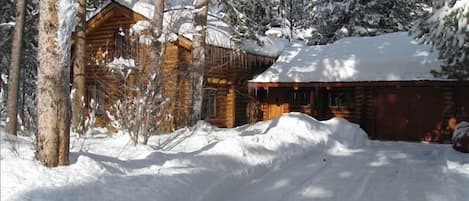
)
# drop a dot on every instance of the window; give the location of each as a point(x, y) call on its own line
point(209, 103)
point(96, 94)
point(299, 98)
point(341, 99)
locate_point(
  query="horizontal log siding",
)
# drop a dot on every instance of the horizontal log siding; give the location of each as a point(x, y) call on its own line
point(370, 112)
point(360, 105)
point(226, 70)
point(461, 98)
point(100, 35)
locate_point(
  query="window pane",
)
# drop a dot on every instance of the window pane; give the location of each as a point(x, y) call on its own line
point(100, 98)
point(209, 103)
point(341, 99)
point(299, 98)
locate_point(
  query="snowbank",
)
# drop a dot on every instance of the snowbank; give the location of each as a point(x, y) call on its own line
point(292, 157)
point(461, 129)
point(207, 150)
point(388, 57)
point(460, 137)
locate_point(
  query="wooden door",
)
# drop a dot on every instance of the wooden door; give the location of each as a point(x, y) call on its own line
point(275, 110)
point(408, 114)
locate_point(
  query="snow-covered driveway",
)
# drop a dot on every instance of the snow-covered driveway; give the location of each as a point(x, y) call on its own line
point(383, 171)
point(290, 158)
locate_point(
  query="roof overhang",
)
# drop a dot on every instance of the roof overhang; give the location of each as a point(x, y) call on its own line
point(439, 83)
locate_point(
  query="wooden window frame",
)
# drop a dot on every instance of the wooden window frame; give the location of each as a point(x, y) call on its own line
point(210, 101)
point(299, 98)
point(341, 99)
point(96, 93)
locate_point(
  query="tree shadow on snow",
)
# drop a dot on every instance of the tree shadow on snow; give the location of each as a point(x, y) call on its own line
point(386, 171)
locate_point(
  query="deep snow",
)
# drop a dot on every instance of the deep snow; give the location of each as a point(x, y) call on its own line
point(387, 57)
point(293, 157)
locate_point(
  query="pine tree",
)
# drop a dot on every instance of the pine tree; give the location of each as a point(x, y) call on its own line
point(53, 104)
point(251, 18)
point(335, 19)
point(445, 27)
point(79, 80)
point(27, 85)
point(329, 19)
point(297, 13)
point(14, 73)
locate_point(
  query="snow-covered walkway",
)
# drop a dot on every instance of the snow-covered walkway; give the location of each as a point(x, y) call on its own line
point(382, 171)
point(290, 158)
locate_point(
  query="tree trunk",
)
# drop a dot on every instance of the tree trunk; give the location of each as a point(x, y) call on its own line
point(53, 100)
point(158, 18)
point(198, 59)
point(157, 24)
point(79, 80)
point(14, 73)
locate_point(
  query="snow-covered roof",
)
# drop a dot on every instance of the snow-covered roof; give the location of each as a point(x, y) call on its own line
point(179, 20)
point(388, 57)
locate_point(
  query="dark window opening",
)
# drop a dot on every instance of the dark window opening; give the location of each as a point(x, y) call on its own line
point(96, 97)
point(299, 98)
point(341, 99)
point(209, 103)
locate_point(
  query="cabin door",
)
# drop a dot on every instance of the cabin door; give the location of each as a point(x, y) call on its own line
point(276, 103)
point(275, 110)
point(408, 114)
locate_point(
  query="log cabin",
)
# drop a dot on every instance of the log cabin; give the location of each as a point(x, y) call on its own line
point(382, 83)
point(112, 44)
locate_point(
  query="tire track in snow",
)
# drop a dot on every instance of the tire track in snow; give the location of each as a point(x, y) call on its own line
point(267, 181)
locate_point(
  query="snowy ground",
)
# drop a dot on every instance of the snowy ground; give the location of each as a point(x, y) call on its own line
point(293, 157)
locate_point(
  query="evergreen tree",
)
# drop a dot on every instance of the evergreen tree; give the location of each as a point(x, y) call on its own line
point(335, 19)
point(27, 84)
point(78, 65)
point(329, 19)
point(250, 18)
point(446, 28)
point(56, 20)
point(297, 13)
point(14, 73)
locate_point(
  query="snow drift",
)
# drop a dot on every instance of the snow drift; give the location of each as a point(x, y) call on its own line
point(292, 157)
point(210, 153)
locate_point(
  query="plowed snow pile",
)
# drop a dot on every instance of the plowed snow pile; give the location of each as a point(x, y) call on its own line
point(292, 157)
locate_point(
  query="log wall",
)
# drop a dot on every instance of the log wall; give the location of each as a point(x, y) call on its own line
point(409, 113)
point(226, 71)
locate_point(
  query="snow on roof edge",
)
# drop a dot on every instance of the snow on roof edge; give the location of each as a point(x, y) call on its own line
point(355, 59)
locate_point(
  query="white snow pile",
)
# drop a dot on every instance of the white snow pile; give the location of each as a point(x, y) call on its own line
point(121, 63)
point(142, 29)
point(271, 46)
point(388, 57)
point(461, 130)
point(289, 158)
